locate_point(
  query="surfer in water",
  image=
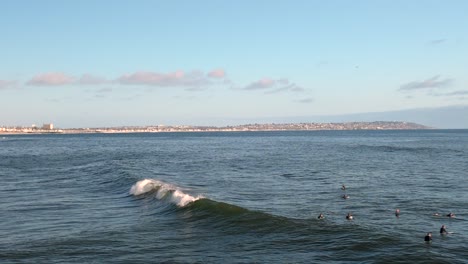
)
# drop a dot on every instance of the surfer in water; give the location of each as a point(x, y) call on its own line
point(451, 215)
point(443, 230)
point(343, 187)
point(428, 237)
point(345, 196)
point(349, 216)
point(321, 216)
point(397, 212)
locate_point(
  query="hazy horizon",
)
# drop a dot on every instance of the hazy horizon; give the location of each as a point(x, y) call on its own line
point(103, 63)
point(448, 118)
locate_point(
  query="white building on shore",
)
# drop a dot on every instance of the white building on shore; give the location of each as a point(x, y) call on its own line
point(48, 126)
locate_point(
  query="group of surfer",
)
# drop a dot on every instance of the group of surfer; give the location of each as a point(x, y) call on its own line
point(345, 196)
point(443, 231)
point(427, 238)
point(349, 216)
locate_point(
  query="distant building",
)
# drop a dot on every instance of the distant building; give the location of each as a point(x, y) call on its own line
point(48, 126)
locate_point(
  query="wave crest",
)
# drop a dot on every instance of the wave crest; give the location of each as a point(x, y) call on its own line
point(163, 191)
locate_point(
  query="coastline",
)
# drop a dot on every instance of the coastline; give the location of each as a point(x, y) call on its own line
point(377, 125)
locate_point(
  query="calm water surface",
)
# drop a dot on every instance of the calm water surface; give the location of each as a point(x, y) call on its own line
point(234, 197)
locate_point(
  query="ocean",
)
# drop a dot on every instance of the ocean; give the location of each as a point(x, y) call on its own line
point(234, 197)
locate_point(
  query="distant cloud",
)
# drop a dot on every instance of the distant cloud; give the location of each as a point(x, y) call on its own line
point(4, 84)
point(271, 86)
point(217, 73)
point(59, 78)
point(430, 83)
point(262, 84)
point(437, 41)
point(89, 79)
point(305, 100)
point(51, 79)
point(454, 93)
point(177, 78)
point(296, 88)
point(460, 92)
point(290, 87)
point(192, 81)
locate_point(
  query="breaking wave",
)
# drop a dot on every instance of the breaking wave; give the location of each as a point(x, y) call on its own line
point(196, 208)
point(163, 191)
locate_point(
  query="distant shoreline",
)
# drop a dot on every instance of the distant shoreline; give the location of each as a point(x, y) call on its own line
point(377, 125)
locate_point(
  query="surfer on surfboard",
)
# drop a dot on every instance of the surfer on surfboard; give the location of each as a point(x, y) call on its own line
point(443, 230)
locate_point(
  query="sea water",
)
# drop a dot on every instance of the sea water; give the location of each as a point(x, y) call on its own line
point(237, 197)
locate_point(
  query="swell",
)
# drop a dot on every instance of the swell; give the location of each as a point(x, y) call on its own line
point(197, 208)
point(391, 149)
point(211, 214)
point(337, 240)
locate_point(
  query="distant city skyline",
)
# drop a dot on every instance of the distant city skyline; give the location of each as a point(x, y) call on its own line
point(49, 128)
point(121, 63)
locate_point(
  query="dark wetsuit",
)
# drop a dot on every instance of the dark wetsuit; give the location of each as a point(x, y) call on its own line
point(428, 238)
point(443, 230)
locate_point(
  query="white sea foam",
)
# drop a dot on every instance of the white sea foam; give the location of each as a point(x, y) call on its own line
point(176, 195)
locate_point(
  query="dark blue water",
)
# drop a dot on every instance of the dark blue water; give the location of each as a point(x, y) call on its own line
point(234, 197)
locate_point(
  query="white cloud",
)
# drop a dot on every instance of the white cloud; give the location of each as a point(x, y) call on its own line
point(217, 73)
point(177, 78)
point(271, 86)
point(433, 82)
point(51, 79)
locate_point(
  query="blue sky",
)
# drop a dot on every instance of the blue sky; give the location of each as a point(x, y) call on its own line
point(111, 63)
